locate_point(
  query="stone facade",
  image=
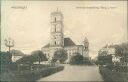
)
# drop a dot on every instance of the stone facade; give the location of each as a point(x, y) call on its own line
point(57, 40)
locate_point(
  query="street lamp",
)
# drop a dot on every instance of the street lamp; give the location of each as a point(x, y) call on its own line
point(9, 43)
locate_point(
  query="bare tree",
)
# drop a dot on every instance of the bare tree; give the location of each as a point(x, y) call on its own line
point(9, 43)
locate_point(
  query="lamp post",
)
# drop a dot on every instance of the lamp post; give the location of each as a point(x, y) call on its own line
point(9, 43)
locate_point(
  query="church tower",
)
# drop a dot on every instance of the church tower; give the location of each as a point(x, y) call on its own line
point(57, 37)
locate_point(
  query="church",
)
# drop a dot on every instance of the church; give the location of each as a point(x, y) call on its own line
point(58, 41)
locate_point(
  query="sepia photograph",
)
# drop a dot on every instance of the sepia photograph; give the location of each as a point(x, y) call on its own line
point(68, 40)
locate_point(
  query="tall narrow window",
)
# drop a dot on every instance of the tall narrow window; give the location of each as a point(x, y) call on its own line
point(55, 43)
point(55, 28)
point(55, 19)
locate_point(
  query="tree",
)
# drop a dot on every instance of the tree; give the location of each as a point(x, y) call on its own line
point(39, 55)
point(77, 59)
point(25, 60)
point(9, 43)
point(102, 53)
point(105, 59)
point(34, 57)
point(118, 50)
point(122, 51)
point(5, 57)
point(6, 63)
point(60, 55)
point(124, 47)
point(16, 52)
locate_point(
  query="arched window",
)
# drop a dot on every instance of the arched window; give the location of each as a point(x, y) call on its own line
point(55, 19)
point(58, 28)
point(55, 29)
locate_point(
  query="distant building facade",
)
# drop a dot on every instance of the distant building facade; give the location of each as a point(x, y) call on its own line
point(110, 50)
point(16, 57)
point(58, 41)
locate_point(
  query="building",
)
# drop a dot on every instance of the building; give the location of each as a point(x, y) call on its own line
point(110, 50)
point(58, 41)
point(16, 57)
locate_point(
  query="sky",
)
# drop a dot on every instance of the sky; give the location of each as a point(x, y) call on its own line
point(28, 23)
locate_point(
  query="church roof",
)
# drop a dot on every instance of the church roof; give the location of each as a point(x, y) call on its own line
point(46, 46)
point(67, 42)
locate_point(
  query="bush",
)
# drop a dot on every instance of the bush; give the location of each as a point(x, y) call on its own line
point(5, 57)
point(6, 63)
point(37, 74)
point(86, 61)
point(113, 76)
point(117, 68)
point(105, 60)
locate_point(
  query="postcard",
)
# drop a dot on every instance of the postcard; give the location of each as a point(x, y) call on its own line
point(68, 40)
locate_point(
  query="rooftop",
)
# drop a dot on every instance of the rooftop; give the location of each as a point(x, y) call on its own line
point(67, 42)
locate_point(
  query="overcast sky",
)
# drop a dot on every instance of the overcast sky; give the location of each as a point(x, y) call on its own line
point(28, 23)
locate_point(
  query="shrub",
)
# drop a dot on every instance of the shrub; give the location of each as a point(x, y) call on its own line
point(105, 60)
point(113, 76)
point(6, 63)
